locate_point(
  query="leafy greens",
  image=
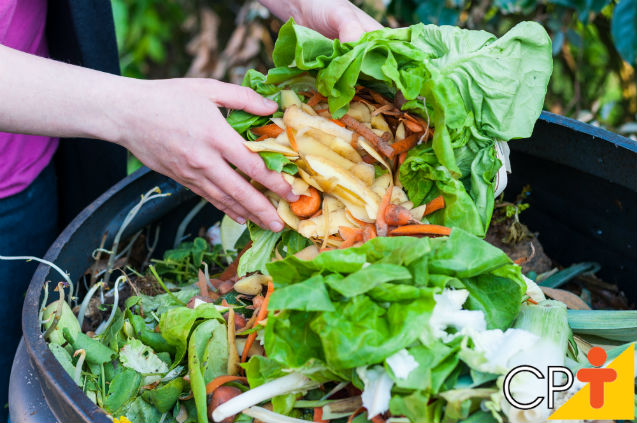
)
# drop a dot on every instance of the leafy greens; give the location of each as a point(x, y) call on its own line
point(472, 87)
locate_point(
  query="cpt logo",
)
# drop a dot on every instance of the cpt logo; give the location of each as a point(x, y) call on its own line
point(608, 393)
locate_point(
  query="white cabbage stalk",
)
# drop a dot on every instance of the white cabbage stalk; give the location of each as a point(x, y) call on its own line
point(448, 312)
point(377, 391)
point(402, 363)
point(498, 348)
point(294, 382)
point(548, 321)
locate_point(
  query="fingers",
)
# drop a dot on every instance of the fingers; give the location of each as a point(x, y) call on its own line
point(350, 32)
point(221, 201)
point(354, 24)
point(238, 190)
point(253, 166)
point(243, 98)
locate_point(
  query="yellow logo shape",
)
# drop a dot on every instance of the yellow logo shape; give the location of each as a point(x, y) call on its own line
point(619, 395)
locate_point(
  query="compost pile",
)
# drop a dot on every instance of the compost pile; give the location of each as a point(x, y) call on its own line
point(380, 301)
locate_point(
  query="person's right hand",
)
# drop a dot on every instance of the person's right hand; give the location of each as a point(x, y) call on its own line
point(175, 127)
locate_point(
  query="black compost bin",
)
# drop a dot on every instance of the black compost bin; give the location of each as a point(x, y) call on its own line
point(584, 207)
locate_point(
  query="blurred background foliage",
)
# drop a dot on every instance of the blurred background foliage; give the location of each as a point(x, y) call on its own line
point(594, 43)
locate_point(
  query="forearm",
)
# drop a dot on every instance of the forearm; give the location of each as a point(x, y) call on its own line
point(44, 97)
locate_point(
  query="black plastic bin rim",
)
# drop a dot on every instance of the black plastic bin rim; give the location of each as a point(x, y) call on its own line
point(41, 357)
point(593, 131)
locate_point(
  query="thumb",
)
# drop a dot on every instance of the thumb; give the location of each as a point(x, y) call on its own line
point(243, 98)
point(350, 31)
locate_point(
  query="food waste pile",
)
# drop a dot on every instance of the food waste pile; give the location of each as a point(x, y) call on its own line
point(380, 301)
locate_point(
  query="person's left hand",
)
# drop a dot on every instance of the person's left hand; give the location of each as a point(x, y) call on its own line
point(332, 18)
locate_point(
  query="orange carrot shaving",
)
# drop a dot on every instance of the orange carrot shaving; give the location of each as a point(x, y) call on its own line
point(350, 242)
point(338, 122)
point(354, 414)
point(531, 300)
point(316, 99)
point(350, 236)
point(347, 232)
point(202, 283)
point(318, 415)
point(435, 204)
point(272, 130)
point(369, 232)
point(520, 261)
point(307, 205)
point(406, 143)
point(397, 215)
point(222, 380)
point(377, 142)
point(378, 419)
point(263, 311)
point(319, 111)
point(413, 126)
point(360, 222)
point(262, 138)
point(381, 224)
point(291, 138)
point(420, 229)
point(401, 158)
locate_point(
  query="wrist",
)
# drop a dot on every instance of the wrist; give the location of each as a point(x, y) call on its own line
point(113, 114)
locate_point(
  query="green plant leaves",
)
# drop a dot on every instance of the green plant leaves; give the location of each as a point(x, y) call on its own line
point(175, 325)
point(624, 30)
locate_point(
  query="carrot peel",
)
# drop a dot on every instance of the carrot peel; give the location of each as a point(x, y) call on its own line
point(291, 139)
point(271, 130)
point(263, 311)
point(421, 229)
point(435, 205)
point(381, 224)
point(307, 206)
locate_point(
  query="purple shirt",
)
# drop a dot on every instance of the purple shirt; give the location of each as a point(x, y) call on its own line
point(22, 157)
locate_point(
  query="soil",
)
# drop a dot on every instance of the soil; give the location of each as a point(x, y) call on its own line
point(523, 246)
point(527, 249)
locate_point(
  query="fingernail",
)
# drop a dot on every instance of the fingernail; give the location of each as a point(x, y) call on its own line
point(269, 102)
point(240, 220)
point(276, 226)
point(292, 198)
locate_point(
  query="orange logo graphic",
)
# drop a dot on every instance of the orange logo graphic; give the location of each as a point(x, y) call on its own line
point(609, 393)
point(597, 377)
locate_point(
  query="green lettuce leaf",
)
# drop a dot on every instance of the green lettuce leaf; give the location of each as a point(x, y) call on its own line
point(175, 325)
point(310, 295)
point(259, 254)
point(278, 162)
point(471, 86)
point(141, 358)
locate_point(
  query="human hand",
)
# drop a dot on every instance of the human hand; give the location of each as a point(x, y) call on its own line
point(175, 127)
point(332, 18)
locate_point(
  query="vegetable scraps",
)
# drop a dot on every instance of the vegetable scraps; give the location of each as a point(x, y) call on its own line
point(380, 301)
point(399, 327)
point(380, 100)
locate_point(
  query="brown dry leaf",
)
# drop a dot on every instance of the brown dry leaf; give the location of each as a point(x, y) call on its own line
point(571, 300)
point(204, 45)
point(203, 283)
